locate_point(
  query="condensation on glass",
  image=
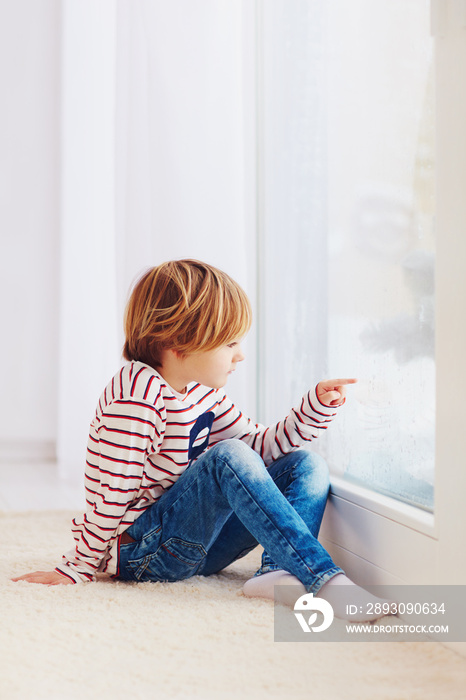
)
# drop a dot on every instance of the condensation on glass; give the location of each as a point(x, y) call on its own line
point(381, 242)
point(348, 242)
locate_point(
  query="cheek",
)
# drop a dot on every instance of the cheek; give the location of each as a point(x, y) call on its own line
point(221, 363)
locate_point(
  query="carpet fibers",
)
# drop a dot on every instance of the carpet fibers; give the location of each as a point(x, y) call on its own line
point(191, 640)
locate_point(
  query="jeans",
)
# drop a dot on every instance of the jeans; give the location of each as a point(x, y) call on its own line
point(225, 504)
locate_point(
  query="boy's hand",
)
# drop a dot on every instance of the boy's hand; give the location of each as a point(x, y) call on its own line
point(332, 392)
point(48, 578)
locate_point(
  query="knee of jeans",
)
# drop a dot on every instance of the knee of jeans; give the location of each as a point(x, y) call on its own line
point(241, 458)
point(316, 466)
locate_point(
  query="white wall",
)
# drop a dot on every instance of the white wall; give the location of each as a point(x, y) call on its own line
point(29, 182)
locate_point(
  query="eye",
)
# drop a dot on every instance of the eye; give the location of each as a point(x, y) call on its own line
point(232, 345)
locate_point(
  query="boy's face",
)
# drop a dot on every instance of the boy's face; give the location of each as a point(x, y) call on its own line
point(211, 368)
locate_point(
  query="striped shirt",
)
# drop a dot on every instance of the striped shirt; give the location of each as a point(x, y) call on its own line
point(143, 437)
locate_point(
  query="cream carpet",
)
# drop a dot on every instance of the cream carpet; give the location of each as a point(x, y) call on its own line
point(181, 641)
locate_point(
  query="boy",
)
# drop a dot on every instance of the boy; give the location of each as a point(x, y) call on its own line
point(178, 481)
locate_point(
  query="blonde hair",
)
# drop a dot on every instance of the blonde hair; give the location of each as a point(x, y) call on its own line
point(185, 305)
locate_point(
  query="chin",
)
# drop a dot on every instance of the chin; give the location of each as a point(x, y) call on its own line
point(214, 385)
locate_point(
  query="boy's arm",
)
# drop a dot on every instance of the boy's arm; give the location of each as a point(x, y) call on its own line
point(303, 424)
point(126, 433)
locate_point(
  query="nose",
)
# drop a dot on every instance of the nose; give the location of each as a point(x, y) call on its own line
point(239, 355)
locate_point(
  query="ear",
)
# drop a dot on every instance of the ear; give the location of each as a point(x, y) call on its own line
point(175, 354)
point(168, 355)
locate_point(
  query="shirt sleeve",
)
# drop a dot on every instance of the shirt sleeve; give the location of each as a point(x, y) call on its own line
point(120, 440)
point(303, 424)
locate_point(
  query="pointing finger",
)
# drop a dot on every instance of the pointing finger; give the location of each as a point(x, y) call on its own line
point(327, 383)
point(342, 382)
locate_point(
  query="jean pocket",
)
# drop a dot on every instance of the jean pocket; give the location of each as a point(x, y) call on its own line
point(174, 560)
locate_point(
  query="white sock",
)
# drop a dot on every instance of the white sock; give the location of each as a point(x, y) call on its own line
point(366, 604)
point(263, 586)
point(354, 603)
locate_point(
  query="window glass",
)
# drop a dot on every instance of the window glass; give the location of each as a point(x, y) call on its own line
point(347, 211)
point(380, 194)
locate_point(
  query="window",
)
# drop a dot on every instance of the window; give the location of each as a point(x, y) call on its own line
point(380, 196)
point(348, 255)
point(347, 180)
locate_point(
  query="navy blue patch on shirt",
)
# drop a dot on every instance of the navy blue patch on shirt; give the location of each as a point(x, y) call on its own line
point(199, 435)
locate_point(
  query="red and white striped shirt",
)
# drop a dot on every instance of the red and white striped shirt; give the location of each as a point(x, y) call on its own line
point(143, 437)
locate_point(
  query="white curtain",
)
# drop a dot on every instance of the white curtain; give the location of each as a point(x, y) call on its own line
point(293, 206)
point(156, 163)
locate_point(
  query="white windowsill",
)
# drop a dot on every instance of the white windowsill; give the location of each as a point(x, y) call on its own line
point(390, 508)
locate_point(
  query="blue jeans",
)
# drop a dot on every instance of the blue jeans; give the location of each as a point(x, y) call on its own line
point(225, 504)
